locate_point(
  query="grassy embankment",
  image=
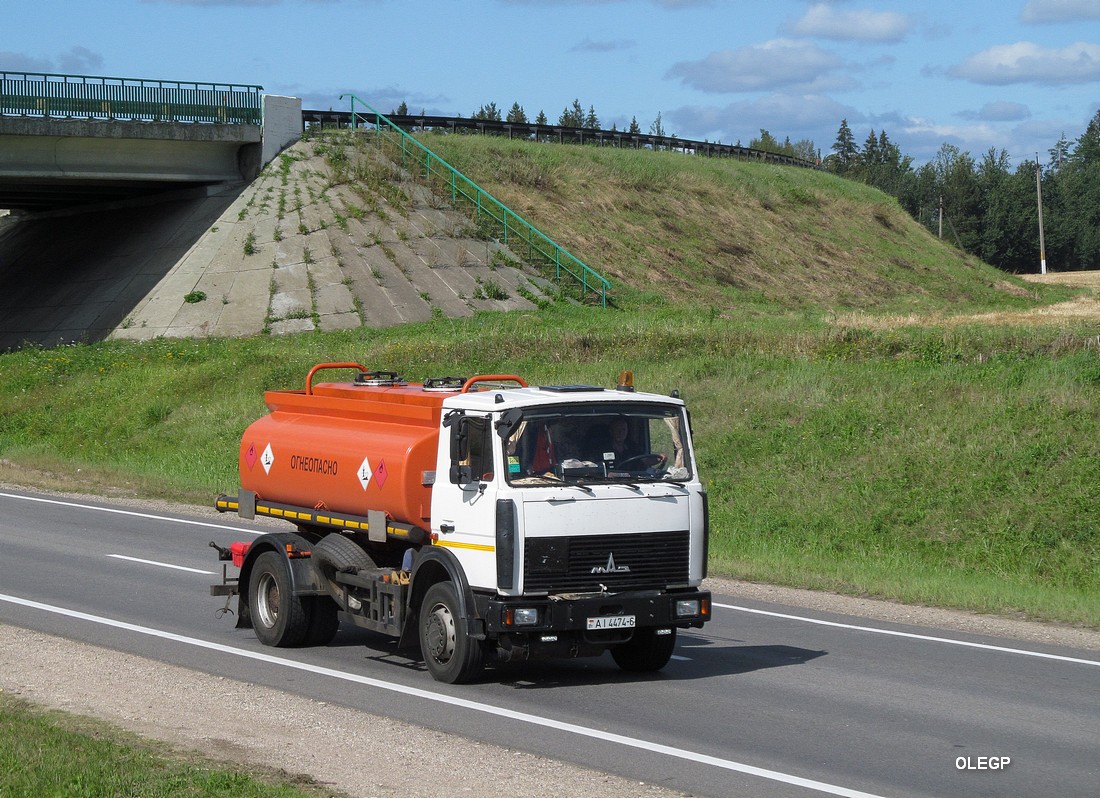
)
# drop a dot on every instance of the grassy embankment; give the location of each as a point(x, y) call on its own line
point(52, 754)
point(947, 463)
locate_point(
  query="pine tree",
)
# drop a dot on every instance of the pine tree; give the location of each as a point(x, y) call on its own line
point(517, 115)
point(1087, 150)
point(591, 121)
point(635, 128)
point(870, 154)
point(766, 142)
point(572, 116)
point(488, 112)
point(845, 148)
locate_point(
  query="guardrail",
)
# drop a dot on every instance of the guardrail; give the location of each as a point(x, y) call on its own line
point(40, 94)
point(568, 135)
point(514, 228)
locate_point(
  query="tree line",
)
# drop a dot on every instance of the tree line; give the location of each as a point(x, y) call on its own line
point(572, 115)
point(982, 205)
point(989, 209)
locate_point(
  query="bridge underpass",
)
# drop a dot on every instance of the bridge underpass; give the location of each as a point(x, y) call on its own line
point(109, 182)
point(48, 164)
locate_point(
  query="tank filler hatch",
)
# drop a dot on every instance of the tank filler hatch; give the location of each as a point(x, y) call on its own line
point(444, 384)
point(379, 379)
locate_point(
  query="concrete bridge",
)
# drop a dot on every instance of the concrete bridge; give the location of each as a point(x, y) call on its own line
point(140, 214)
point(109, 183)
point(70, 140)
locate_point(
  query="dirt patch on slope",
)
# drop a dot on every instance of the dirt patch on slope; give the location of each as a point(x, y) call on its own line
point(1082, 308)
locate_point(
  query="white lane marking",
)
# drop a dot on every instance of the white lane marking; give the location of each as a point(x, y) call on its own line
point(134, 513)
point(930, 638)
point(476, 706)
point(680, 658)
point(951, 641)
point(161, 564)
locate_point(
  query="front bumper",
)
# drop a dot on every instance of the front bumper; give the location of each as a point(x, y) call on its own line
point(565, 614)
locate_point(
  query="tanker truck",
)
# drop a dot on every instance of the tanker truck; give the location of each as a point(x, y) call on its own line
point(478, 519)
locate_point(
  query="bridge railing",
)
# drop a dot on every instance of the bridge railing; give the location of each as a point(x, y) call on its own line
point(516, 233)
point(47, 95)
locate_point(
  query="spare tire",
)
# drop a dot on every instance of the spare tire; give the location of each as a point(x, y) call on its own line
point(341, 554)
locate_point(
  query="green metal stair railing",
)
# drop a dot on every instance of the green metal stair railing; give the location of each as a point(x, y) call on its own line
point(514, 228)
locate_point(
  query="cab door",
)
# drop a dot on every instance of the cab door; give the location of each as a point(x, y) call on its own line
point(464, 506)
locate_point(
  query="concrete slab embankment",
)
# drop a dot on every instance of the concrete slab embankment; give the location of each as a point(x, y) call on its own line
point(299, 250)
point(294, 250)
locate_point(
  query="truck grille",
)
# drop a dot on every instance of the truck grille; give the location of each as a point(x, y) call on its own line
point(580, 564)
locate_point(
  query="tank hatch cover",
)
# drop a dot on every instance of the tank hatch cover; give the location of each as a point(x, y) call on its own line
point(444, 384)
point(379, 379)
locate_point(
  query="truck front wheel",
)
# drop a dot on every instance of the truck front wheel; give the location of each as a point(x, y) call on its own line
point(645, 651)
point(279, 617)
point(451, 655)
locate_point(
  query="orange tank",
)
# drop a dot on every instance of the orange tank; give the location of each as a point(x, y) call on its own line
point(349, 447)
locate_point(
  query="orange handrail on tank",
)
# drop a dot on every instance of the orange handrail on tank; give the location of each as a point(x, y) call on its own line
point(466, 386)
point(319, 366)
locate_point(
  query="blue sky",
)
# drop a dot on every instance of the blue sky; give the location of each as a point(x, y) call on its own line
point(1007, 74)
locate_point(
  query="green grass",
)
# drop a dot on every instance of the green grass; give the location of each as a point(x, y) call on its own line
point(951, 466)
point(941, 462)
point(742, 237)
point(52, 755)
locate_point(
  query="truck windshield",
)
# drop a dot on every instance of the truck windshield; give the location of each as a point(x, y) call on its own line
point(606, 443)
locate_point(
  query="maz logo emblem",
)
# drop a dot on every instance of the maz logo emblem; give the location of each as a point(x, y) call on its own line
point(611, 568)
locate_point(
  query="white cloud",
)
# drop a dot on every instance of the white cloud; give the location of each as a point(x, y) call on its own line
point(670, 4)
point(80, 61)
point(216, 2)
point(74, 61)
point(760, 67)
point(21, 62)
point(827, 22)
point(1060, 11)
point(1003, 111)
point(791, 116)
point(1026, 62)
point(587, 45)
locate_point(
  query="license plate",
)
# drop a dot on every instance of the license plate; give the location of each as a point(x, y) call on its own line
point(611, 622)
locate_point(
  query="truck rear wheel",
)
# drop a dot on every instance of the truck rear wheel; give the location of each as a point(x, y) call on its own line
point(452, 656)
point(645, 651)
point(279, 617)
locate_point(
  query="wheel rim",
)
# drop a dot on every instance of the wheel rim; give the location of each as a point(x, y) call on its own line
point(440, 633)
point(267, 600)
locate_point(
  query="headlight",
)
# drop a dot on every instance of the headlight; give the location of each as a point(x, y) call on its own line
point(687, 608)
point(521, 616)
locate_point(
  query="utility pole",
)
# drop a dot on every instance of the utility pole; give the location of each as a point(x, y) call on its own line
point(1039, 194)
point(941, 215)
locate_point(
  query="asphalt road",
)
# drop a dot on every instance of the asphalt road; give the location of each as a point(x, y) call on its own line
point(767, 700)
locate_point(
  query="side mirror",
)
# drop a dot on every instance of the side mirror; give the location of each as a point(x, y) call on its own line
point(461, 472)
point(471, 449)
point(460, 438)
